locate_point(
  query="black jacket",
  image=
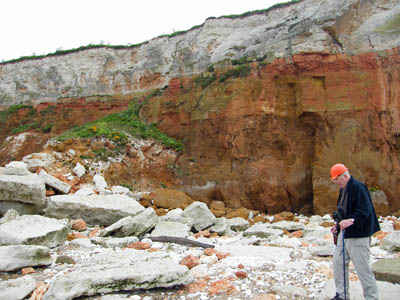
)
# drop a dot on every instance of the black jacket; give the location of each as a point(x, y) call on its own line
point(360, 208)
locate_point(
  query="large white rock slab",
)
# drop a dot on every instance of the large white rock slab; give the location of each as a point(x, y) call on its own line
point(21, 208)
point(176, 215)
point(15, 168)
point(288, 225)
point(20, 256)
point(201, 215)
point(94, 209)
point(238, 224)
point(132, 225)
point(26, 189)
point(111, 242)
point(54, 182)
point(255, 256)
point(17, 289)
point(33, 230)
point(262, 230)
point(169, 228)
point(152, 273)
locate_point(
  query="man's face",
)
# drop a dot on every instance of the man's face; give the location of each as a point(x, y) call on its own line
point(341, 181)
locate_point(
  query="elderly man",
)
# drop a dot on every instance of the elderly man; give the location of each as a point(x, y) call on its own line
point(357, 222)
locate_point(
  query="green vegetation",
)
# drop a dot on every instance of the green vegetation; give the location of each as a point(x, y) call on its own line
point(239, 71)
point(205, 81)
point(239, 48)
point(26, 121)
point(47, 128)
point(210, 68)
point(117, 127)
point(14, 109)
point(25, 127)
point(241, 61)
point(373, 189)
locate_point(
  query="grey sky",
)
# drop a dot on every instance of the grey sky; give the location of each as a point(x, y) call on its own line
point(43, 26)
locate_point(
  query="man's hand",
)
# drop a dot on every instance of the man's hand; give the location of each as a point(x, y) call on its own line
point(346, 223)
point(333, 229)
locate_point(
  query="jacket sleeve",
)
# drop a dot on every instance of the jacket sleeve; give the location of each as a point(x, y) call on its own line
point(361, 205)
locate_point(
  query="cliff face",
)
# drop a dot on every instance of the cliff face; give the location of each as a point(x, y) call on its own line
point(268, 141)
point(323, 88)
point(323, 26)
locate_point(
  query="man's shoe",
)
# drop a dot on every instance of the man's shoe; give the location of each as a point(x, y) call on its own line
point(337, 297)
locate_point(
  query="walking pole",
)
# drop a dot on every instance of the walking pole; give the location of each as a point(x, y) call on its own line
point(344, 266)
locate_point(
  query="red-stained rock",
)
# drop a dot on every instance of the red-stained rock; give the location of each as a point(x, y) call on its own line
point(139, 246)
point(167, 198)
point(241, 274)
point(76, 235)
point(380, 235)
point(283, 216)
point(79, 225)
point(94, 232)
point(396, 225)
point(196, 286)
point(209, 251)
point(297, 234)
point(40, 290)
point(190, 261)
point(28, 270)
point(203, 233)
point(222, 286)
point(50, 192)
point(220, 255)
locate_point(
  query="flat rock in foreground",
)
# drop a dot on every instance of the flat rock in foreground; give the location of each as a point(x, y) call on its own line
point(16, 289)
point(21, 256)
point(94, 209)
point(387, 270)
point(153, 273)
point(26, 189)
point(34, 230)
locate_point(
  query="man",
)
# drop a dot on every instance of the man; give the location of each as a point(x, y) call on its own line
point(358, 222)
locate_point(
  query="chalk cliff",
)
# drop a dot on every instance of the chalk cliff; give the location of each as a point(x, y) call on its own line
point(321, 86)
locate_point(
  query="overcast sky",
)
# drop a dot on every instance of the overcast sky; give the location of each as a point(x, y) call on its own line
point(42, 26)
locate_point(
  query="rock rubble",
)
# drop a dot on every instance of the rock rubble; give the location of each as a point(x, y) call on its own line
point(109, 246)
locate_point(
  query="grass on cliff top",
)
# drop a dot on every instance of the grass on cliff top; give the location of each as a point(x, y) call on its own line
point(117, 127)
